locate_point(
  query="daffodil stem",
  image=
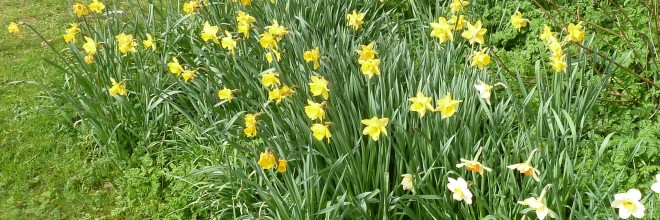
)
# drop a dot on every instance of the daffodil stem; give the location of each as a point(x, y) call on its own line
point(531, 155)
point(544, 191)
point(476, 157)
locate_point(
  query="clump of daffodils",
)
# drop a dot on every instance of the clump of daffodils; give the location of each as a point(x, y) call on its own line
point(250, 129)
point(267, 161)
point(369, 65)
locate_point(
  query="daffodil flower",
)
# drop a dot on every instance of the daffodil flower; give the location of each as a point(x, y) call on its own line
point(229, 43)
point(547, 33)
point(267, 159)
point(225, 94)
point(538, 205)
point(459, 188)
point(656, 186)
point(14, 28)
point(281, 165)
point(96, 6)
point(442, 30)
point(190, 7)
point(89, 46)
point(270, 79)
point(526, 169)
point(474, 33)
point(149, 43)
point(420, 104)
point(355, 20)
point(458, 5)
point(315, 110)
point(210, 32)
point(447, 106)
point(628, 204)
point(518, 21)
point(125, 43)
point(367, 52)
point(175, 67)
point(320, 131)
point(407, 182)
point(370, 67)
point(480, 59)
point(313, 56)
point(319, 87)
point(80, 9)
point(474, 165)
point(575, 32)
point(375, 127)
point(117, 88)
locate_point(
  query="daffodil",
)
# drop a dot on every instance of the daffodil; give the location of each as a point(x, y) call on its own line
point(267, 40)
point(320, 131)
point(313, 56)
point(628, 204)
point(517, 20)
point(149, 43)
point(538, 205)
point(228, 42)
point(474, 165)
point(270, 79)
point(474, 33)
point(89, 59)
point(188, 75)
point(555, 46)
point(367, 52)
point(457, 22)
point(420, 104)
point(190, 7)
point(96, 6)
point(175, 67)
point(458, 5)
point(407, 182)
point(80, 9)
point(447, 106)
point(244, 23)
point(355, 20)
point(225, 94)
point(480, 59)
point(319, 87)
point(117, 88)
point(370, 67)
point(459, 188)
point(485, 90)
point(245, 2)
point(270, 53)
point(281, 165)
point(281, 93)
point(315, 110)
point(656, 186)
point(71, 33)
point(442, 30)
point(375, 127)
point(558, 62)
point(547, 33)
point(210, 32)
point(267, 159)
point(89, 46)
point(125, 43)
point(575, 32)
point(251, 125)
point(527, 169)
point(277, 30)
point(250, 131)
point(14, 28)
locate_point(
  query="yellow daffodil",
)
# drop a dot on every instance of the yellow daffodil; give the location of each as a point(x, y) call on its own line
point(319, 87)
point(245, 2)
point(320, 131)
point(279, 94)
point(281, 165)
point(420, 104)
point(71, 33)
point(575, 32)
point(628, 204)
point(355, 20)
point(267, 159)
point(267, 40)
point(474, 33)
point(459, 188)
point(225, 94)
point(313, 56)
point(89, 46)
point(447, 106)
point(244, 22)
point(457, 23)
point(370, 67)
point(229, 43)
point(270, 79)
point(442, 30)
point(367, 52)
point(125, 43)
point(555, 46)
point(272, 52)
point(14, 28)
point(407, 182)
point(538, 205)
point(190, 7)
point(210, 32)
point(277, 30)
point(375, 127)
point(89, 59)
point(458, 5)
point(474, 165)
point(188, 75)
point(117, 88)
point(517, 20)
point(250, 131)
point(558, 62)
point(286, 91)
point(656, 186)
point(526, 169)
point(96, 6)
point(80, 9)
point(547, 33)
point(251, 125)
point(480, 59)
point(149, 43)
point(315, 110)
point(175, 67)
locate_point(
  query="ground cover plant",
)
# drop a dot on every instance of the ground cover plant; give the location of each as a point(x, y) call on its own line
point(343, 109)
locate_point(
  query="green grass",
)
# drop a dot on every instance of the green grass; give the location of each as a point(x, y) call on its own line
point(45, 171)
